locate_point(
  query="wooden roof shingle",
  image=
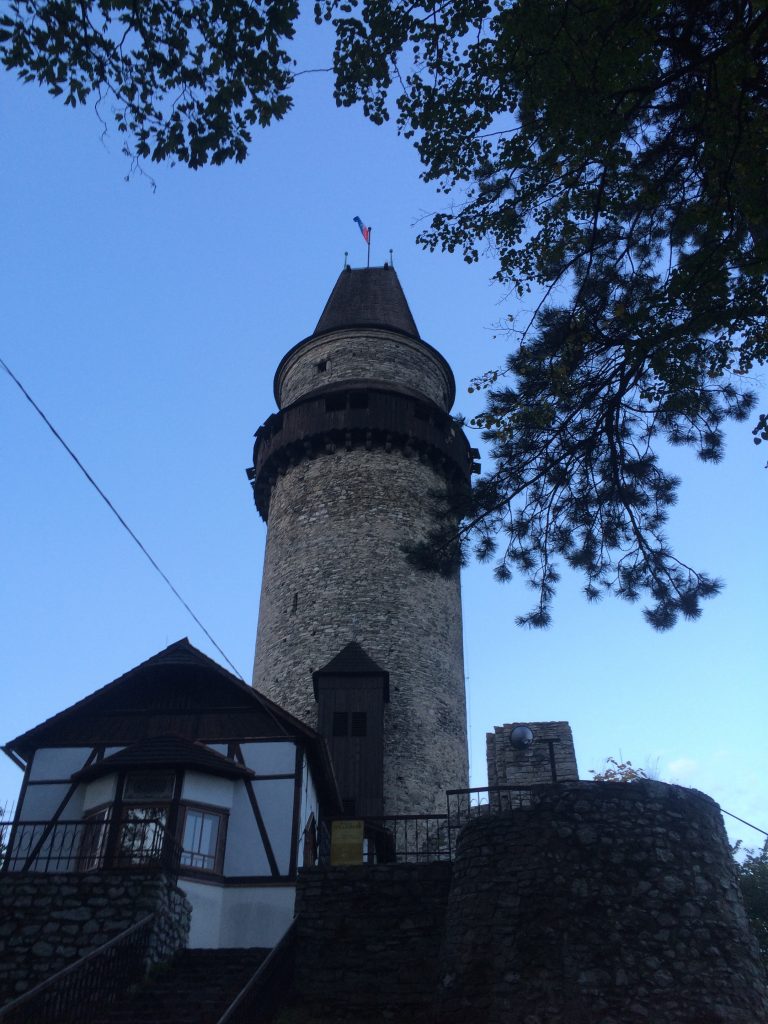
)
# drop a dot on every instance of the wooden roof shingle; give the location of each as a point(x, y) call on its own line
point(369, 297)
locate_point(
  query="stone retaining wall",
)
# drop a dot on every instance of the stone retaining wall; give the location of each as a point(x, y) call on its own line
point(369, 938)
point(604, 903)
point(48, 921)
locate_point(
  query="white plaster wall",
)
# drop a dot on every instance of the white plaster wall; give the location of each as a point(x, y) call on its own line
point(58, 762)
point(275, 798)
point(244, 851)
point(41, 802)
point(257, 916)
point(208, 789)
point(244, 854)
point(270, 758)
point(206, 903)
point(237, 917)
point(100, 791)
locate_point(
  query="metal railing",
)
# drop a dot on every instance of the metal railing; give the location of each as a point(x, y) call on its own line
point(5, 835)
point(69, 847)
point(407, 838)
point(464, 805)
point(423, 838)
point(396, 838)
point(78, 993)
point(261, 994)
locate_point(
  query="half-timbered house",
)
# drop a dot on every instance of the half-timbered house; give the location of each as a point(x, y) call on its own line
point(178, 760)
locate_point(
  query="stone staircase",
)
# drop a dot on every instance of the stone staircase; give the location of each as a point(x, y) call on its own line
point(196, 987)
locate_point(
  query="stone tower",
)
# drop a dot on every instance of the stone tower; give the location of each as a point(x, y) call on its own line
point(351, 638)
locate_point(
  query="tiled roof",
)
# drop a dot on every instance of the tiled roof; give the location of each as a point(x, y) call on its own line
point(371, 297)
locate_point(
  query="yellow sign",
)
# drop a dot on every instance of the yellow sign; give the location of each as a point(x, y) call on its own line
point(347, 842)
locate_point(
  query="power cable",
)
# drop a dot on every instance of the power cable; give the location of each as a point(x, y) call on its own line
point(747, 823)
point(120, 519)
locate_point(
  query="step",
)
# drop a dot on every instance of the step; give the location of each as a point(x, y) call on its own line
point(194, 988)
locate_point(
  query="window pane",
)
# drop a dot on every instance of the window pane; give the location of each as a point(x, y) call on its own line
point(141, 835)
point(339, 723)
point(359, 724)
point(94, 840)
point(201, 836)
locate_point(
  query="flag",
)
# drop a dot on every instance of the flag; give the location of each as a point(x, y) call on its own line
point(366, 232)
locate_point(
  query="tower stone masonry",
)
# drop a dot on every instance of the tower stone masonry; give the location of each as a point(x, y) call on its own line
point(550, 757)
point(347, 473)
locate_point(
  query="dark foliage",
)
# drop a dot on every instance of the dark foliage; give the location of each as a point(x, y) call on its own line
point(185, 81)
point(753, 879)
point(611, 155)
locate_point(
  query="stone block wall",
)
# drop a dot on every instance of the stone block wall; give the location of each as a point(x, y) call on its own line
point(603, 903)
point(600, 903)
point(335, 571)
point(369, 939)
point(351, 357)
point(49, 921)
point(531, 766)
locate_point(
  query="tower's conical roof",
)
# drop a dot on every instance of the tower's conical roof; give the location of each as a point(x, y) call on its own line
point(371, 297)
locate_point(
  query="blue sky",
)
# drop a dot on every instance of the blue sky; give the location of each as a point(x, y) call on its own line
point(148, 325)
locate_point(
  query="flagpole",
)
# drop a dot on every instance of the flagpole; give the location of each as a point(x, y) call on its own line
point(370, 232)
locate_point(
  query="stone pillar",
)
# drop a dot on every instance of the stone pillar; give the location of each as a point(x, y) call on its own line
point(529, 766)
point(602, 903)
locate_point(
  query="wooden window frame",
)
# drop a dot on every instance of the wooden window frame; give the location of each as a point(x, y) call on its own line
point(221, 839)
point(93, 856)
